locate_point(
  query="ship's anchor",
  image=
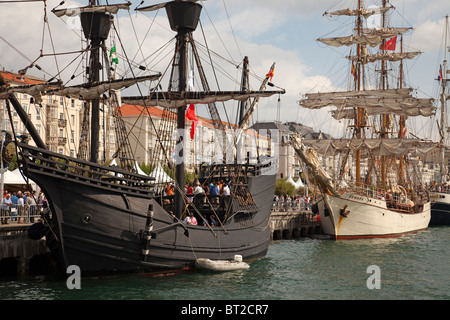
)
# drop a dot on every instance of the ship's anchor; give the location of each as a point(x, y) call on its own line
point(146, 234)
point(344, 212)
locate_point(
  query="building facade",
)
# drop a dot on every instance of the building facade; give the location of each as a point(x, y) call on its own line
point(58, 120)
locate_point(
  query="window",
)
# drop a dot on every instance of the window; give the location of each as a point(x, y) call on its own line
point(61, 133)
point(72, 153)
point(60, 151)
point(50, 99)
point(72, 136)
point(61, 116)
point(38, 113)
point(61, 101)
point(72, 119)
point(72, 103)
point(38, 128)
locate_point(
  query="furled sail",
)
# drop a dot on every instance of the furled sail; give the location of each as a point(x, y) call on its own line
point(371, 37)
point(96, 89)
point(113, 8)
point(387, 56)
point(391, 101)
point(179, 99)
point(379, 147)
point(34, 90)
point(364, 12)
point(309, 157)
point(370, 40)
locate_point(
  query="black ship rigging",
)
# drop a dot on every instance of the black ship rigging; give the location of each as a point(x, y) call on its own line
point(112, 219)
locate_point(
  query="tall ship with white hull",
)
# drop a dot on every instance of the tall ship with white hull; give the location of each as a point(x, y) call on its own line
point(373, 189)
point(112, 219)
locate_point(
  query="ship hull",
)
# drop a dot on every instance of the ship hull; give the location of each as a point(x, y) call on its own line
point(440, 209)
point(353, 216)
point(99, 227)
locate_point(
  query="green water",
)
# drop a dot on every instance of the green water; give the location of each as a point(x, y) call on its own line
point(415, 266)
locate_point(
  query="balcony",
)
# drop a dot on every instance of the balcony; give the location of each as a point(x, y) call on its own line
point(62, 123)
point(62, 141)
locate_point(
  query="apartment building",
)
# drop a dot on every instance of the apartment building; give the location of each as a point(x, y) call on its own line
point(59, 120)
point(206, 146)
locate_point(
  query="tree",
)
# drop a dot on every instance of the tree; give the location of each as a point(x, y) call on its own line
point(284, 188)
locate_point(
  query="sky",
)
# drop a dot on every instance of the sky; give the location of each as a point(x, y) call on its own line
point(282, 31)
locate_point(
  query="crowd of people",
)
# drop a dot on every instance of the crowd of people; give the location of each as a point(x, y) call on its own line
point(215, 188)
point(21, 207)
point(286, 203)
point(214, 191)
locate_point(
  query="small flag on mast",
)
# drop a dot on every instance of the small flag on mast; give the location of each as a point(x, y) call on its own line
point(439, 78)
point(270, 75)
point(190, 114)
point(389, 45)
point(354, 70)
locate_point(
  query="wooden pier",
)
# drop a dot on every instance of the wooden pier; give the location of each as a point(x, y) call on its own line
point(293, 224)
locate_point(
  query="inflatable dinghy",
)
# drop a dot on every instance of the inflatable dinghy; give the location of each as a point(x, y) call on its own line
point(222, 265)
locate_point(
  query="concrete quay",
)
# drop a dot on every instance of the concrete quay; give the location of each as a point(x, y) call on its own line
point(293, 224)
point(19, 254)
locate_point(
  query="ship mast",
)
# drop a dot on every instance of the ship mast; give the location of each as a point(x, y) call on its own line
point(443, 108)
point(360, 111)
point(96, 26)
point(183, 18)
point(383, 116)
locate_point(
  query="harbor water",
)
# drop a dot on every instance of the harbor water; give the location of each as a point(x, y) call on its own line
point(414, 266)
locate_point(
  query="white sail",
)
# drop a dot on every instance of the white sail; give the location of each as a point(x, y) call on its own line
point(370, 40)
point(387, 56)
point(113, 8)
point(394, 101)
point(364, 12)
point(379, 147)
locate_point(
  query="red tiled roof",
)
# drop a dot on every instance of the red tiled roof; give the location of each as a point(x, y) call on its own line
point(20, 80)
point(136, 110)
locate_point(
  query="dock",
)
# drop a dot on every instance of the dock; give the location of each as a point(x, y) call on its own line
point(293, 224)
point(19, 254)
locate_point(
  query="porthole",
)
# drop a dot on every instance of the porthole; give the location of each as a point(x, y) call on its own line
point(87, 219)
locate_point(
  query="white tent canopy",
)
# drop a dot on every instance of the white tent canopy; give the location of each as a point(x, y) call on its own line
point(138, 169)
point(290, 180)
point(160, 175)
point(299, 183)
point(15, 177)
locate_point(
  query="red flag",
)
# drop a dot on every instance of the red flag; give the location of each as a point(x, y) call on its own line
point(440, 74)
point(270, 75)
point(354, 70)
point(190, 113)
point(389, 45)
point(193, 126)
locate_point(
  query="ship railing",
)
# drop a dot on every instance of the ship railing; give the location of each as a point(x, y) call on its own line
point(20, 214)
point(400, 199)
point(285, 205)
point(51, 163)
